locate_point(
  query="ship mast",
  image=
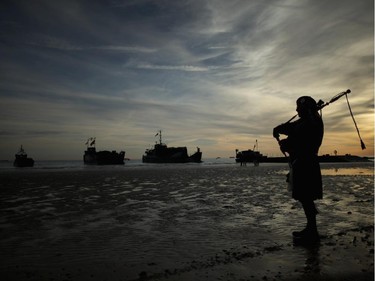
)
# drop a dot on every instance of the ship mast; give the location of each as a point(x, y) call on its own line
point(159, 134)
point(255, 145)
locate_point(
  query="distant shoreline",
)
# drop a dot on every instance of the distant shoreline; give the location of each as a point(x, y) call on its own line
point(323, 159)
point(347, 158)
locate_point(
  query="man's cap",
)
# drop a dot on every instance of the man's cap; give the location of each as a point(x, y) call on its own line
point(307, 102)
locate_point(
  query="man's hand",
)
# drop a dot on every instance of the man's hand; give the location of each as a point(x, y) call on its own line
point(276, 133)
point(285, 146)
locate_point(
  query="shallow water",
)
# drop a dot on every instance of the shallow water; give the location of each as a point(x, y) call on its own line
point(171, 220)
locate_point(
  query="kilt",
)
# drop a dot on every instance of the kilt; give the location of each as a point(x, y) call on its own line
point(306, 179)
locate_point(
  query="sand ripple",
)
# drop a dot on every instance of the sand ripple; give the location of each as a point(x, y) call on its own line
point(176, 223)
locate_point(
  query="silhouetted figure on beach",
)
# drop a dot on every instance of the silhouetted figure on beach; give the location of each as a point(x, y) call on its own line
point(302, 144)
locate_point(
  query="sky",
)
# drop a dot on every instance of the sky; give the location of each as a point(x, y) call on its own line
point(214, 74)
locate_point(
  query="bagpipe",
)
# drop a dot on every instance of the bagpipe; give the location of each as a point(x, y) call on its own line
point(320, 105)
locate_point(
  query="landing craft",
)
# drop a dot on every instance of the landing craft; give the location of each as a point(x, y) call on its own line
point(250, 156)
point(93, 157)
point(22, 160)
point(163, 154)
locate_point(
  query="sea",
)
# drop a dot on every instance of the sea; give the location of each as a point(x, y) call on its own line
point(78, 164)
point(344, 168)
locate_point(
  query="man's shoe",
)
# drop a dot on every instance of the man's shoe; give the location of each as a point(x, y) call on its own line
point(300, 233)
point(306, 233)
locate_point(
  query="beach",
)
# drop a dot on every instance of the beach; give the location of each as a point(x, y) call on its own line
point(182, 222)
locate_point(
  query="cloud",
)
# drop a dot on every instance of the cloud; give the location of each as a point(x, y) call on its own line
point(64, 45)
point(189, 68)
point(216, 73)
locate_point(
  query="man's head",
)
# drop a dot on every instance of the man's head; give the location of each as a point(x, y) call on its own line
point(305, 105)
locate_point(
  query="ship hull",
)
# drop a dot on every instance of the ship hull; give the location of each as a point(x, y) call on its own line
point(91, 157)
point(23, 162)
point(250, 156)
point(163, 154)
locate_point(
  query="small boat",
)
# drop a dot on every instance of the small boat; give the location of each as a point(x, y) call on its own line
point(161, 153)
point(22, 160)
point(250, 156)
point(93, 157)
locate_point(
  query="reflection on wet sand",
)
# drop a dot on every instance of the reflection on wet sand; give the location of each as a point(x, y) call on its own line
point(179, 223)
point(312, 267)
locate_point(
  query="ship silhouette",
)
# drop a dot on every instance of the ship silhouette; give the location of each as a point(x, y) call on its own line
point(250, 156)
point(22, 160)
point(93, 157)
point(161, 153)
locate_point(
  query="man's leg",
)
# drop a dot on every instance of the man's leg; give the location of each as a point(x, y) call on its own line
point(310, 213)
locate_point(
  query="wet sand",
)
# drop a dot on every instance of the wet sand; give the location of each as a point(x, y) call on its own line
point(183, 222)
